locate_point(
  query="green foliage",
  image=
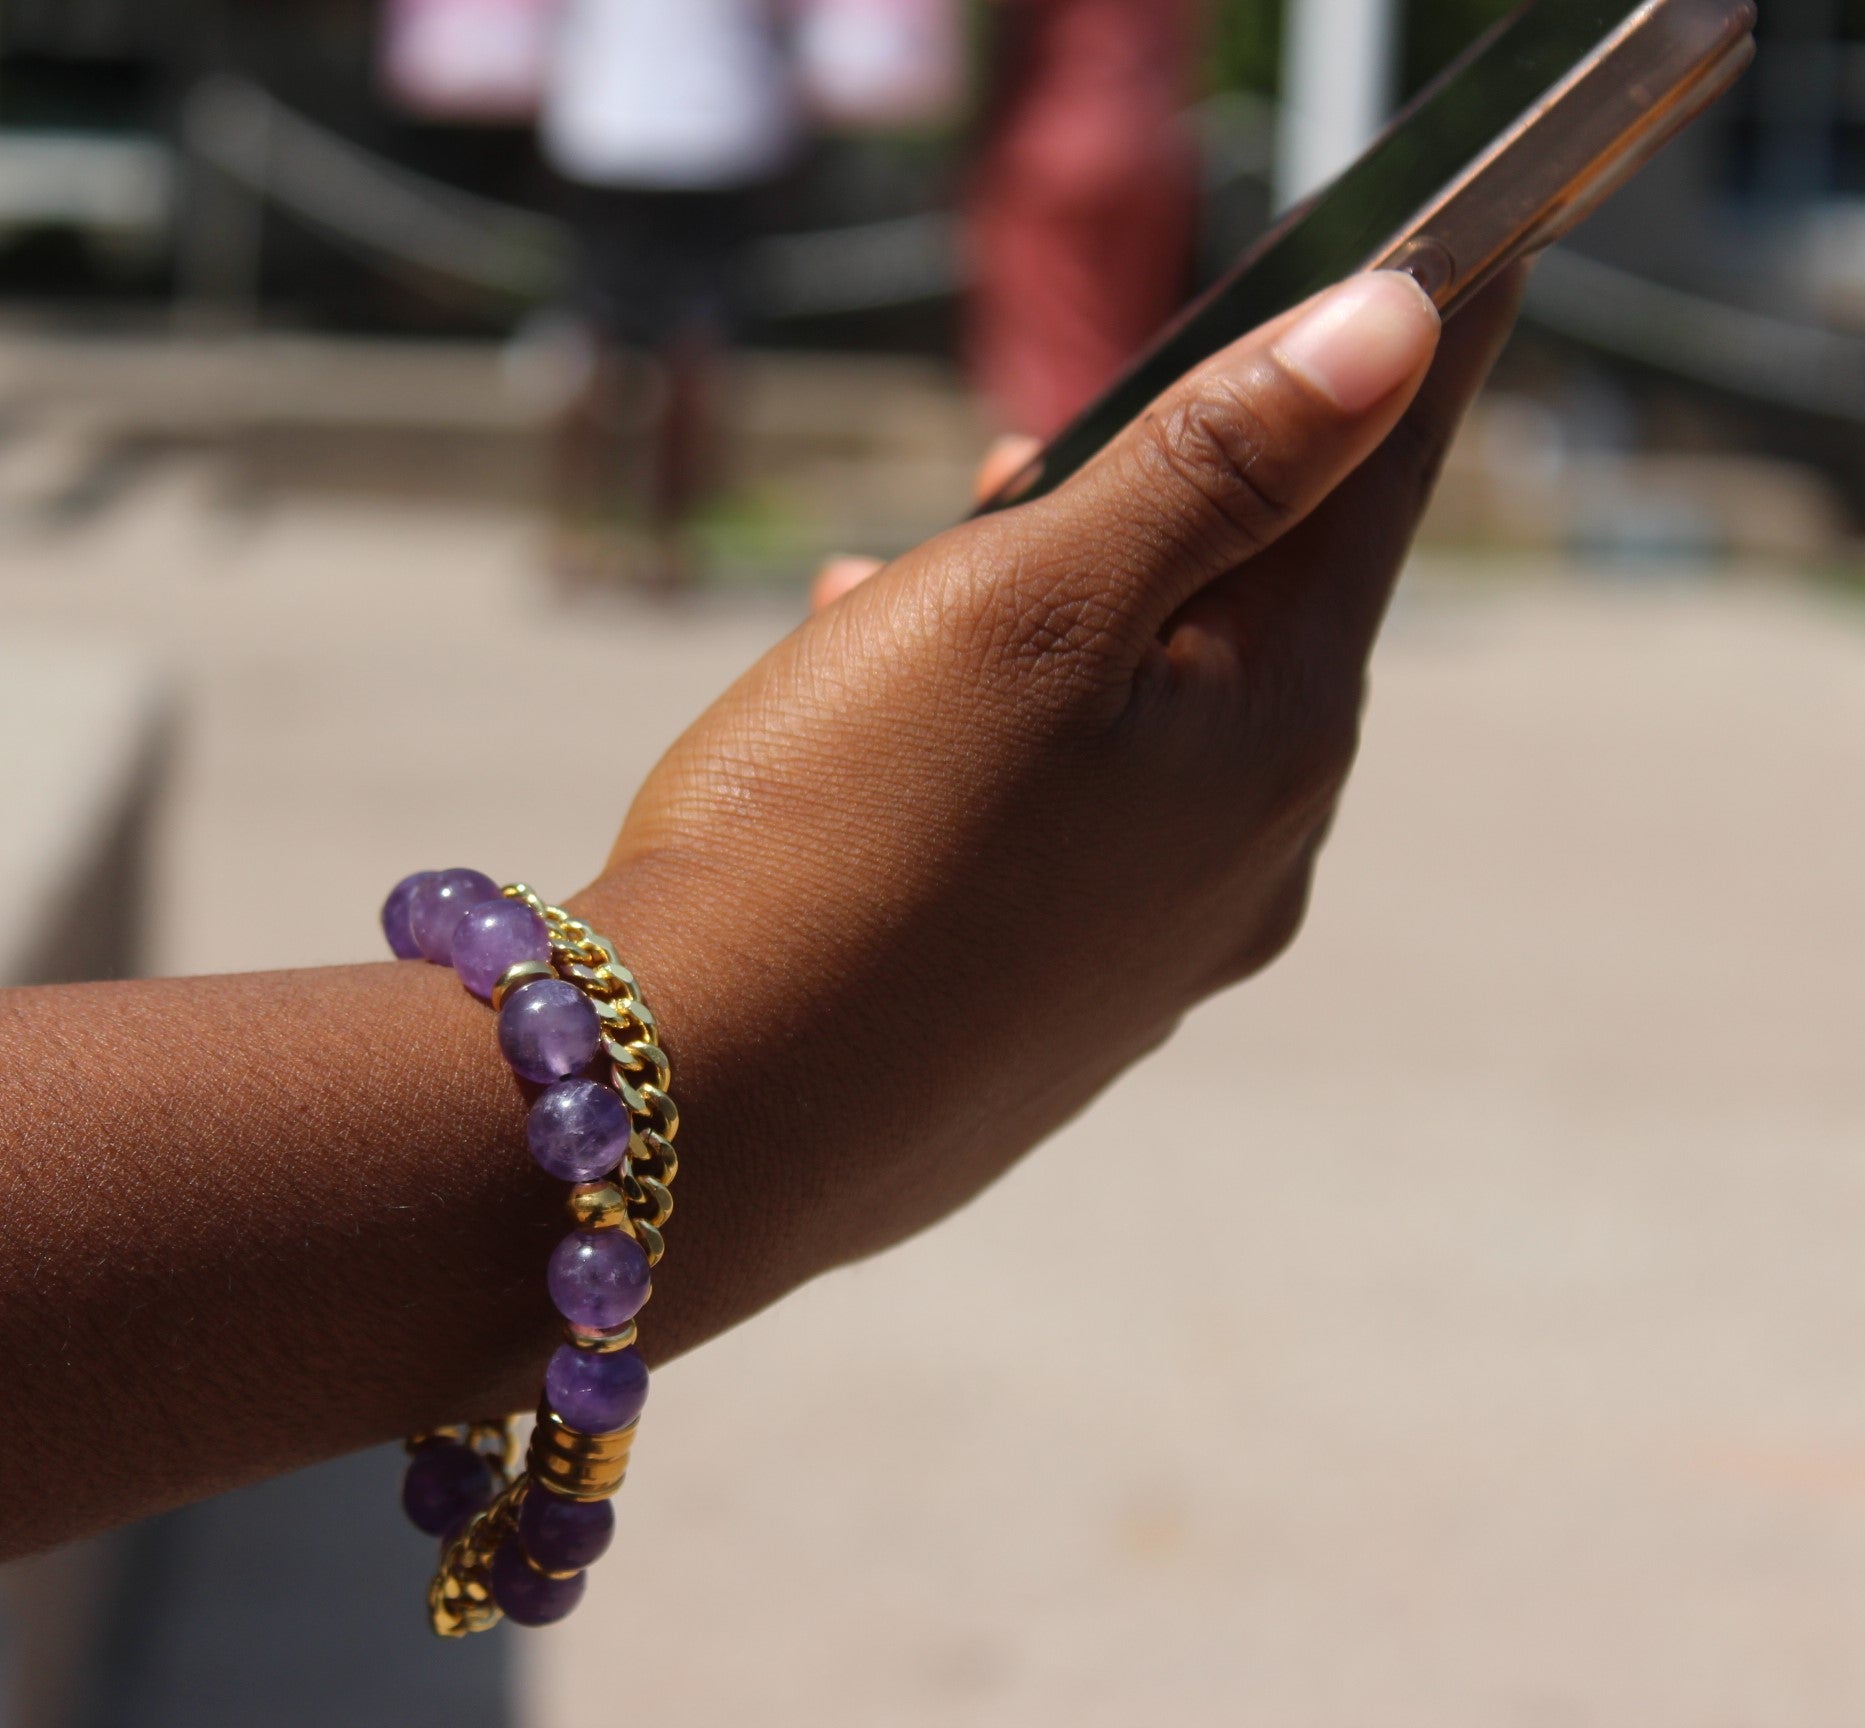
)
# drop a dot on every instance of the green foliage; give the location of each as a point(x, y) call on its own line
point(1246, 45)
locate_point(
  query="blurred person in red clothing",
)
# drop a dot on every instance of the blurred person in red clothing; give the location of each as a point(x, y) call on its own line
point(1081, 214)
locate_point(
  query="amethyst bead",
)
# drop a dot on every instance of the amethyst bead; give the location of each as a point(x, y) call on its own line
point(396, 910)
point(596, 1391)
point(494, 935)
point(578, 1130)
point(548, 1030)
point(440, 903)
point(445, 1483)
point(598, 1278)
point(525, 1594)
point(561, 1535)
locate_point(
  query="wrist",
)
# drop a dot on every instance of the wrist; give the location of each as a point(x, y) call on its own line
point(736, 1245)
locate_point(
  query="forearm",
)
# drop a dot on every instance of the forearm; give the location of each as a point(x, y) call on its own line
point(255, 1221)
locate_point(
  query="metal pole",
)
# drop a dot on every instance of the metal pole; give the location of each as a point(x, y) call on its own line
point(1337, 88)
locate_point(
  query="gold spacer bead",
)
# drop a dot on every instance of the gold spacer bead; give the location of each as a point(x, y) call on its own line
point(620, 1337)
point(513, 976)
point(599, 1205)
point(452, 1431)
point(577, 1466)
point(545, 1571)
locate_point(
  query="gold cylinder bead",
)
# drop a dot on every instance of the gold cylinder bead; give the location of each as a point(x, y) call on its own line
point(599, 1206)
point(456, 1431)
point(577, 1466)
point(620, 1337)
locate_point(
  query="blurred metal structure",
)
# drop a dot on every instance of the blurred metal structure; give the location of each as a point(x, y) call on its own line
point(247, 150)
point(261, 151)
point(120, 189)
point(1767, 358)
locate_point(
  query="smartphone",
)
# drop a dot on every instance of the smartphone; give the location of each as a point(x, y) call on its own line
point(1549, 111)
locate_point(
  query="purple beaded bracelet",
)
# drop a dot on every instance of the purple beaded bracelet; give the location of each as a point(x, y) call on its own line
point(573, 1027)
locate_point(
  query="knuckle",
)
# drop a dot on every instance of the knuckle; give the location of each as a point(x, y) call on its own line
point(1218, 449)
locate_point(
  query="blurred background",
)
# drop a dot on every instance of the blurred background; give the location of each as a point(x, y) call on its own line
point(368, 365)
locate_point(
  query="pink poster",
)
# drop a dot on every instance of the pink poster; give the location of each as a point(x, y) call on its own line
point(466, 60)
point(881, 63)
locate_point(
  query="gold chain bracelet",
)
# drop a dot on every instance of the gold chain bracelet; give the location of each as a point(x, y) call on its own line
point(500, 1556)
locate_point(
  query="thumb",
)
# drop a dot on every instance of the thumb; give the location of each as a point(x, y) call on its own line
point(1234, 455)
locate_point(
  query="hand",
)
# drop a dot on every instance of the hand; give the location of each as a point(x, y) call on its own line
point(974, 837)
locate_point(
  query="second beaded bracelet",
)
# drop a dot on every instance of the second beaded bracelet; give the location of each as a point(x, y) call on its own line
point(571, 1021)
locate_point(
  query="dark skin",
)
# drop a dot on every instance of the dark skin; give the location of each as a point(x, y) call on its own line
point(923, 881)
